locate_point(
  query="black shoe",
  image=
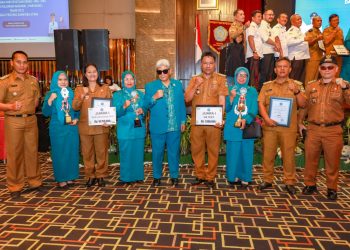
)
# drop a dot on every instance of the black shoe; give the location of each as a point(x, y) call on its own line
point(175, 182)
point(15, 195)
point(101, 182)
point(210, 184)
point(291, 189)
point(235, 183)
point(139, 181)
point(332, 194)
point(91, 181)
point(156, 183)
point(70, 184)
point(309, 190)
point(122, 183)
point(197, 182)
point(264, 185)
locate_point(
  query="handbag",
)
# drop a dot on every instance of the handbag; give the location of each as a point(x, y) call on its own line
point(252, 131)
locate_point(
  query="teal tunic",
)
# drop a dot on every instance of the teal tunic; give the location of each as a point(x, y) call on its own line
point(131, 139)
point(64, 138)
point(239, 151)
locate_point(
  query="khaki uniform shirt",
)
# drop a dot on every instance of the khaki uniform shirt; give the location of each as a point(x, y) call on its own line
point(274, 89)
point(338, 40)
point(208, 93)
point(13, 88)
point(84, 104)
point(325, 102)
point(315, 52)
point(236, 29)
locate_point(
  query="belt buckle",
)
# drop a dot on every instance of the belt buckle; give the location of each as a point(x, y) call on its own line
point(323, 125)
point(25, 115)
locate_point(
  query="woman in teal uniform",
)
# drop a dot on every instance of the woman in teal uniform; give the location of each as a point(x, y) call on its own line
point(345, 72)
point(241, 109)
point(131, 129)
point(63, 131)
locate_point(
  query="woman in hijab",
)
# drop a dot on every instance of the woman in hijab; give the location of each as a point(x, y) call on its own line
point(131, 129)
point(64, 135)
point(241, 109)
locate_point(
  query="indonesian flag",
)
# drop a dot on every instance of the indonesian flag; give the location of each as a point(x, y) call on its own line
point(198, 46)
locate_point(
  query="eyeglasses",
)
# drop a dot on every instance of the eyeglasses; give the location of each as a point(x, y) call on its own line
point(164, 71)
point(242, 75)
point(327, 67)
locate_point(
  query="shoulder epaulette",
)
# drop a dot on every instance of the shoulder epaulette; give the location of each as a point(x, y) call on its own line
point(4, 77)
point(312, 81)
point(267, 82)
point(220, 74)
point(33, 77)
point(298, 82)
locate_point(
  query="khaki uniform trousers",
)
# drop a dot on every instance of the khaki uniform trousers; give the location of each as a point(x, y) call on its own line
point(201, 137)
point(311, 71)
point(330, 139)
point(21, 140)
point(94, 148)
point(287, 142)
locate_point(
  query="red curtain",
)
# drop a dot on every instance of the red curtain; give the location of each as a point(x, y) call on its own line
point(249, 6)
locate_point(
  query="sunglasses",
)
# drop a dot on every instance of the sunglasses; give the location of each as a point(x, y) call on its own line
point(327, 67)
point(164, 71)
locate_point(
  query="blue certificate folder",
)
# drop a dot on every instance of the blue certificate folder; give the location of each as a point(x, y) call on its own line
point(281, 110)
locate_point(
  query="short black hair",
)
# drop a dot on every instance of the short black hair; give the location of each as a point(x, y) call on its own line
point(332, 16)
point(236, 12)
point(85, 80)
point(283, 59)
point(18, 52)
point(208, 53)
point(254, 12)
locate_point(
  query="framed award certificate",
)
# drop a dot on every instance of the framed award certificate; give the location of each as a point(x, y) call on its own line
point(208, 115)
point(281, 110)
point(341, 50)
point(101, 102)
point(101, 116)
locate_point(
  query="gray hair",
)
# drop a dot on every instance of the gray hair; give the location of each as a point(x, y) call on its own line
point(163, 62)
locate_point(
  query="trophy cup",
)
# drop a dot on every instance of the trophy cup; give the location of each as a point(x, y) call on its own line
point(134, 105)
point(241, 107)
point(65, 106)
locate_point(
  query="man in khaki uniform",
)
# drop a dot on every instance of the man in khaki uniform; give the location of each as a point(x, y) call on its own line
point(313, 36)
point(325, 113)
point(333, 35)
point(208, 88)
point(237, 26)
point(274, 135)
point(19, 96)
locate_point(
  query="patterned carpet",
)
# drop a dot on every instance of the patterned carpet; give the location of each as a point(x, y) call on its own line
point(142, 217)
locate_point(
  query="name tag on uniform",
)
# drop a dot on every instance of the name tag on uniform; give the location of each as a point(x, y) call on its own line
point(208, 115)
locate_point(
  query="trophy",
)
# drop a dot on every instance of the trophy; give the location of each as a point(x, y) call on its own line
point(65, 106)
point(241, 108)
point(134, 105)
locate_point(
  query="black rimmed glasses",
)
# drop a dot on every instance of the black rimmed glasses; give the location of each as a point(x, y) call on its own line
point(164, 71)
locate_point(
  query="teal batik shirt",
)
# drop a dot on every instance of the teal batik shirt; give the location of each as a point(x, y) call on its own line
point(169, 95)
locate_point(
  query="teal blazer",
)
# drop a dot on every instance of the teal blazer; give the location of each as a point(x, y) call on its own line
point(158, 123)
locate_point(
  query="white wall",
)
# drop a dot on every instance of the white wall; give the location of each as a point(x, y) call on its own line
point(118, 16)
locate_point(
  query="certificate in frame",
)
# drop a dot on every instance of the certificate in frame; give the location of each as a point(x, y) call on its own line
point(207, 4)
point(101, 102)
point(281, 110)
point(208, 115)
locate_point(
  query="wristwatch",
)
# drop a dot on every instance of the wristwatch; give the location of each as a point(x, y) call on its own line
point(346, 87)
point(297, 92)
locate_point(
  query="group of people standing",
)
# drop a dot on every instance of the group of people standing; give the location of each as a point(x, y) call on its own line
point(320, 105)
point(265, 44)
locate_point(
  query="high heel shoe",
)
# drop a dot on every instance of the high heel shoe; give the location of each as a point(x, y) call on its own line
point(91, 181)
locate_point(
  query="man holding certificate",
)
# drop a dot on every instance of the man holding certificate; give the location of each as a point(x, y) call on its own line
point(325, 114)
point(207, 93)
point(278, 101)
